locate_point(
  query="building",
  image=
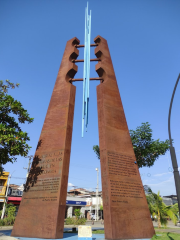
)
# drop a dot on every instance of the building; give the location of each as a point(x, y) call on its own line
point(73, 203)
point(91, 200)
point(3, 186)
point(170, 199)
point(15, 193)
point(78, 198)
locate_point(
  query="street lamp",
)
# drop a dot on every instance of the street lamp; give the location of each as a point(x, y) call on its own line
point(172, 150)
point(97, 196)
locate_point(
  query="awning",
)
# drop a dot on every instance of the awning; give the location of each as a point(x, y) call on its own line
point(76, 203)
point(14, 199)
point(15, 202)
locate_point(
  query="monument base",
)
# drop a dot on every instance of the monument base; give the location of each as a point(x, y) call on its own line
point(71, 236)
point(84, 238)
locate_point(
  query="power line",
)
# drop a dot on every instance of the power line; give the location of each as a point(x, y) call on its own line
point(18, 178)
point(81, 166)
point(81, 179)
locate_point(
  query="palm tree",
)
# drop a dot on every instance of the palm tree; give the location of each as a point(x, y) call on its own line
point(157, 207)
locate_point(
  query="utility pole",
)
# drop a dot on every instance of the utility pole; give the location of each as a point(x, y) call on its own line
point(5, 200)
point(97, 196)
point(74, 190)
point(172, 150)
point(29, 165)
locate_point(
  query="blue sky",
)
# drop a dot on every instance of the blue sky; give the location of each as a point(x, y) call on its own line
point(144, 42)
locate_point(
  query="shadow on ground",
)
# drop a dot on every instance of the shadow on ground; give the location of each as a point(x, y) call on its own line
point(5, 233)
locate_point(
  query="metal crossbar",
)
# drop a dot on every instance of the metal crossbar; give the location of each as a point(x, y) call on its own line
point(82, 60)
point(81, 79)
point(91, 45)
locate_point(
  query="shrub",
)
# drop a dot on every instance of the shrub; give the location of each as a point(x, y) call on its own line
point(11, 210)
point(69, 221)
point(8, 221)
point(2, 223)
point(75, 221)
point(81, 221)
point(9, 215)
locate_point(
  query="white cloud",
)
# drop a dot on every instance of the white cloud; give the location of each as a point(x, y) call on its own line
point(161, 174)
point(166, 187)
point(147, 180)
point(89, 189)
point(70, 185)
point(163, 182)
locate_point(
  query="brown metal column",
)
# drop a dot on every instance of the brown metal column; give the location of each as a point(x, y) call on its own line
point(126, 213)
point(42, 209)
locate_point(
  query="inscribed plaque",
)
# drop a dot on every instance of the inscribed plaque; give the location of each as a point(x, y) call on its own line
point(84, 232)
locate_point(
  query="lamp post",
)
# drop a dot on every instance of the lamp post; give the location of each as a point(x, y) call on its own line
point(97, 196)
point(172, 150)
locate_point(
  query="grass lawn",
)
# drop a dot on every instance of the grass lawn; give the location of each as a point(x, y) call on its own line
point(166, 236)
point(156, 228)
point(98, 231)
point(158, 236)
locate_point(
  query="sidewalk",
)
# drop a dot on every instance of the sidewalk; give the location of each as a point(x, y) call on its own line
point(170, 228)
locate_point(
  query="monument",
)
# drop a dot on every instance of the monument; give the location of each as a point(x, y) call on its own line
point(42, 209)
point(126, 213)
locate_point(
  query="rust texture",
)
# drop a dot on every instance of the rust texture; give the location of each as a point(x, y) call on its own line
point(126, 213)
point(42, 209)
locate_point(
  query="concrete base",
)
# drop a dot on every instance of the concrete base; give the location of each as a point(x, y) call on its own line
point(74, 236)
point(5, 234)
point(85, 238)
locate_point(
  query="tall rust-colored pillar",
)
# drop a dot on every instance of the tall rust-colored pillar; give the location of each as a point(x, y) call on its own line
point(42, 209)
point(126, 213)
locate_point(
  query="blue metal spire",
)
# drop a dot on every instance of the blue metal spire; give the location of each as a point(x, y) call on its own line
point(86, 73)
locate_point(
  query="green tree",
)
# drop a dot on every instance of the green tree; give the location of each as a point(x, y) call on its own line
point(150, 198)
point(97, 151)
point(77, 213)
point(175, 210)
point(146, 149)
point(13, 141)
point(159, 209)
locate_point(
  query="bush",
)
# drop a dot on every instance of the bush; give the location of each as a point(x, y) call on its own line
point(2, 223)
point(69, 221)
point(9, 215)
point(8, 221)
point(81, 221)
point(75, 221)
